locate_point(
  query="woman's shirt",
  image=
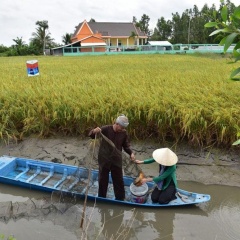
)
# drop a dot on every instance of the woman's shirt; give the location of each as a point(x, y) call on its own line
point(168, 174)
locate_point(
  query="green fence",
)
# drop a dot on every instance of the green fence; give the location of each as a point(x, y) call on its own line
point(145, 49)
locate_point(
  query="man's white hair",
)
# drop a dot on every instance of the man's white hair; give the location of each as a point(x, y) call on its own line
point(122, 120)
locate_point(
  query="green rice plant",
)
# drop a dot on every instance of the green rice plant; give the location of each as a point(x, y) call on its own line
point(2, 237)
point(166, 97)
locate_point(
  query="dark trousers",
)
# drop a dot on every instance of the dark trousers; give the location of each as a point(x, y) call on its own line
point(164, 196)
point(117, 178)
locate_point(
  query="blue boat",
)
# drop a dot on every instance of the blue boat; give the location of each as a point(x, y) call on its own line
point(80, 181)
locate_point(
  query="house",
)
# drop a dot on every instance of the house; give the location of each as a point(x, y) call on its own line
point(158, 46)
point(87, 44)
point(115, 34)
point(102, 37)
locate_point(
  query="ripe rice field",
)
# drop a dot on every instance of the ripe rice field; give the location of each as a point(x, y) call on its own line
point(166, 97)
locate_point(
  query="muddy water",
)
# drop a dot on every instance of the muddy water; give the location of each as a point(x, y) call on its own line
point(218, 219)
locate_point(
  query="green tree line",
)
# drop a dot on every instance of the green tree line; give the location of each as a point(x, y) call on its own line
point(188, 28)
point(40, 41)
point(185, 28)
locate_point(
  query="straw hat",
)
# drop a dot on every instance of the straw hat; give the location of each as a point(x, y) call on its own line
point(165, 156)
point(122, 120)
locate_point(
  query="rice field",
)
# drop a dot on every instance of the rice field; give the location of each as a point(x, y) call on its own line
point(166, 97)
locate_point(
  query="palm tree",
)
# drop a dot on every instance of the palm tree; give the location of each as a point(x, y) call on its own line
point(66, 39)
point(41, 37)
point(19, 44)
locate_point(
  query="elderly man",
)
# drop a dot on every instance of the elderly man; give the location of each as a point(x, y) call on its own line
point(110, 159)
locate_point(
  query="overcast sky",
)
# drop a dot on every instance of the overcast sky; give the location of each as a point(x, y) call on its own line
point(18, 17)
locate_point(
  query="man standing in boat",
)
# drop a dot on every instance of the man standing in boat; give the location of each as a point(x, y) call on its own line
point(110, 155)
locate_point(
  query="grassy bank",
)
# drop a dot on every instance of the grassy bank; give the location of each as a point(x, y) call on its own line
point(167, 97)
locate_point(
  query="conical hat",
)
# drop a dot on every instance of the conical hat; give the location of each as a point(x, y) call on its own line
point(165, 156)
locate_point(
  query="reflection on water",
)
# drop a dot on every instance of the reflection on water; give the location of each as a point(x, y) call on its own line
point(148, 223)
point(35, 230)
point(16, 194)
point(218, 219)
point(228, 218)
point(223, 210)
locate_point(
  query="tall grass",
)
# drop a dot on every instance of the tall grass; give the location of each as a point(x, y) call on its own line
point(166, 97)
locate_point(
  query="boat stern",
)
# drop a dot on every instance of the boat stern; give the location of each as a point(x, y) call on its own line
point(5, 163)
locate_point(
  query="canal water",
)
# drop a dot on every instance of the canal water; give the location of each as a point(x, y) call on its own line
point(218, 219)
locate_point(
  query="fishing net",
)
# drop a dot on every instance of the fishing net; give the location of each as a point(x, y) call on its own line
point(102, 152)
point(80, 180)
point(61, 208)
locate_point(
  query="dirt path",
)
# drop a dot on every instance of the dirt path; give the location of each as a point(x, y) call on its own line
point(208, 166)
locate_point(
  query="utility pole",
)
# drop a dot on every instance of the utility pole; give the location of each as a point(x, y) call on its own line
point(189, 27)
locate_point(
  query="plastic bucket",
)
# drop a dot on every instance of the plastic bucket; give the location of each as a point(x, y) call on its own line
point(32, 68)
point(139, 193)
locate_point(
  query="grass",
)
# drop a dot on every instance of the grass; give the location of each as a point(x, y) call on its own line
point(2, 237)
point(166, 97)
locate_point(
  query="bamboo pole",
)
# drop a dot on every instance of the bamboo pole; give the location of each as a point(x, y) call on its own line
point(89, 176)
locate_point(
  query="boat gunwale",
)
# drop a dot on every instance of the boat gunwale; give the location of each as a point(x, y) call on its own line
point(36, 163)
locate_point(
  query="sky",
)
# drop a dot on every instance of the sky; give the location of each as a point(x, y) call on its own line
point(18, 17)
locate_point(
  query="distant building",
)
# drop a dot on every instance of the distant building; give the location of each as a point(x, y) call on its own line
point(100, 36)
point(112, 33)
point(158, 46)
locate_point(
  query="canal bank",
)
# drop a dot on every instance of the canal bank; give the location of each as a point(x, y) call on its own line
point(198, 164)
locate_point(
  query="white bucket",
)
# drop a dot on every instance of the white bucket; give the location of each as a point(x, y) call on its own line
point(139, 193)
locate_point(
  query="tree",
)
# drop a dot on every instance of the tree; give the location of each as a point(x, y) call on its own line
point(66, 39)
point(134, 20)
point(3, 48)
point(22, 49)
point(188, 26)
point(41, 38)
point(206, 14)
point(230, 26)
point(19, 45)
point(178, 29)
point(163, 30)
point(144, 23)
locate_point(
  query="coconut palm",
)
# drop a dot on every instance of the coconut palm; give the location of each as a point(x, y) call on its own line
point(66, 39)
point(41, 37)
point(19, 45)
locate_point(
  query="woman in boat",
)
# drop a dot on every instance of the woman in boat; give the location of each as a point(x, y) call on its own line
point(166, 182)
point(110, 159)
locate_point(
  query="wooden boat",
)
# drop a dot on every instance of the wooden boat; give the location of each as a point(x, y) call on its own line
point(51, 177)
